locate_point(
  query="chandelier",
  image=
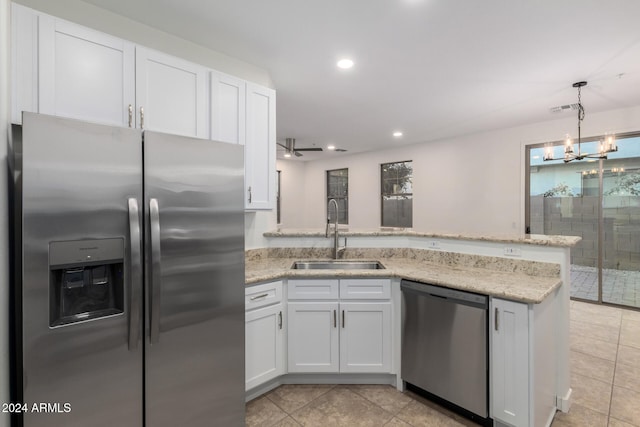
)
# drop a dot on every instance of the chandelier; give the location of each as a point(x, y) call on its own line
point(606, 146)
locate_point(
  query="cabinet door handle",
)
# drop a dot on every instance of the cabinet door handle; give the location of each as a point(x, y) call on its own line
point(280, 320)
point(249, 190)
point(495, 318)
point(259, 296)
point(342, 319)
point(335, 324)
point(141, 118)
point(130, 115)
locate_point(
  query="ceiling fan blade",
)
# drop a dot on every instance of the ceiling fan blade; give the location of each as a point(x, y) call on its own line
point(340, 149)
point(309, 149)
point(282, 145)
point(297, 154)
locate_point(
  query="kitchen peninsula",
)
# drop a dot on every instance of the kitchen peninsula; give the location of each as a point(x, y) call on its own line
point(525, 277)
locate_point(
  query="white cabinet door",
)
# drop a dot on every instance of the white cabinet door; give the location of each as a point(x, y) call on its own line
point(84, 74)
point(312, 336)
point(228, 108)
point(24, 61)
point(365, 337)
point(510, 362)
point(260, 148)
point(171, 94)
point(263, 345)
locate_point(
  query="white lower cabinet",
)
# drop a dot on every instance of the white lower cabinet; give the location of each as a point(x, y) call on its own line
point(523, 365)
point(365, 337)
point(264, 335)
point(336, 336)
point(313, 338)
point(510, 362)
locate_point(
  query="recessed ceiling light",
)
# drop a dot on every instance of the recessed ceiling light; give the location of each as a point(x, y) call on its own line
point(331, 147)
point(397, 134)
point(345, 63)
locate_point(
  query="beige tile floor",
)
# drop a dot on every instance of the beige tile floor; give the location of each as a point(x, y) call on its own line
point(605, 364)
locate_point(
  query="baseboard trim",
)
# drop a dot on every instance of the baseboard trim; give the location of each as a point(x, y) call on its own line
point(258, 391)
point(564, 402)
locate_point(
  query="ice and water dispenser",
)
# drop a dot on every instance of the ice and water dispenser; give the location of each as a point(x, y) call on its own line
point(86, 280)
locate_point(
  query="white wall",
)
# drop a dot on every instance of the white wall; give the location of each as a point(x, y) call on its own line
point(292, 193)
point(5, 32)
point(255, 224)
point(102, 20)
point(467, 185)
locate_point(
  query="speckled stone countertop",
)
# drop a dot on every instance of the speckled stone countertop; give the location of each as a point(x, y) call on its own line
point(517, 280)
point(530, 239)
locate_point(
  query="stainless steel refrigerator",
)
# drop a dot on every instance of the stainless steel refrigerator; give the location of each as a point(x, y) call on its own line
point(128, 277)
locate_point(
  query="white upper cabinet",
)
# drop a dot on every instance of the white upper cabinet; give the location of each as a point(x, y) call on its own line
point(260, 148)
point(63, 69)
point(24, 61)
point(171, 94)
point(228, 108)
point(84, 74)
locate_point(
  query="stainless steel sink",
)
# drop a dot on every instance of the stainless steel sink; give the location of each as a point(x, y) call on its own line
point(337, 265)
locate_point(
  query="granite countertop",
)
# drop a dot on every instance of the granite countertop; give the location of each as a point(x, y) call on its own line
point(508, 285)
point(531, 239)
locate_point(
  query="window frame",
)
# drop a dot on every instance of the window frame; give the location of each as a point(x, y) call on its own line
point(403, 194)
point(338, 198)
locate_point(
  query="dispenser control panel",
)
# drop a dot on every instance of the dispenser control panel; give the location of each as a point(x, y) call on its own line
point(86, 280)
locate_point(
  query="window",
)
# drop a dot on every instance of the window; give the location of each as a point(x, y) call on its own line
point(338, 189)
point(397, 194)
point(598, 201)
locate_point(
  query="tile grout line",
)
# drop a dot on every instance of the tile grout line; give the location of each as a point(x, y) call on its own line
point(373, 403)
point(333, 386)
point(615, 368)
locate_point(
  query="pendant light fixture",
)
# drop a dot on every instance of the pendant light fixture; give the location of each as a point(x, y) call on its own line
point(606, 146)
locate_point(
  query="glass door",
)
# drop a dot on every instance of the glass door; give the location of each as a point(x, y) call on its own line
point(598, 200)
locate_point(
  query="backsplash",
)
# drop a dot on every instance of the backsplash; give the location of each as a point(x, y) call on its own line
point(450, 259)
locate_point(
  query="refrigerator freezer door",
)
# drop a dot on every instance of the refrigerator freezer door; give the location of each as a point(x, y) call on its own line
point(194, 356)
point(76, 182)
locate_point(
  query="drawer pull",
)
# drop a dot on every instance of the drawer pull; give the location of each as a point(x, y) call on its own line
point(259, 296)
point(280, 320)
point(495, 319)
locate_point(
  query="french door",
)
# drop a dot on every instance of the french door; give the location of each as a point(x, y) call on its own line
point(598, 200)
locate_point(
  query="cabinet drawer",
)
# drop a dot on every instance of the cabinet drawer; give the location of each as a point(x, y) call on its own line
point(262, 295)
point(365, 289)
point(313, 289)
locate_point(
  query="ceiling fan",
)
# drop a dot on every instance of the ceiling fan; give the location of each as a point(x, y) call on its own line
point(290, 147)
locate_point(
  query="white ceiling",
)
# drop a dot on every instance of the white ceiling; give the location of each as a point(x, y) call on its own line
point(430, 68)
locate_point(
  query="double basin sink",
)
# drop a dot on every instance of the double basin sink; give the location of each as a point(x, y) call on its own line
point(337, 265)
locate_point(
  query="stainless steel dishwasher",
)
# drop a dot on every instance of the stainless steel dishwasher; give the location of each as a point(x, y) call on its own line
point(444, 346)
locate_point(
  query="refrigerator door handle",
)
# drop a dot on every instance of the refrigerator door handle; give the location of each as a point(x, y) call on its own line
point(135, 276)
point(155, 284)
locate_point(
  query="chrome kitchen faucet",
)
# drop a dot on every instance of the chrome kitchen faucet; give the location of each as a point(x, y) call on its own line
point(336, 249)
